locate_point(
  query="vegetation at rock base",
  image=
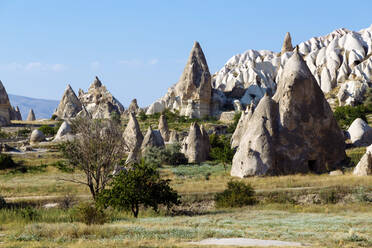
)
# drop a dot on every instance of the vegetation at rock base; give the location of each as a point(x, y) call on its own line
point(7, 162)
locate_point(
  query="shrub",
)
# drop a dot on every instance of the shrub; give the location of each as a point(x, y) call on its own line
point(142, 115)
point(4, 135)
point(140, 185)
point(54, 117)
point(29, 214)
point(237, 194)
point(24, 132)
point(231, 128)
point(174, 156)
point(2, 202)
point(345, 115)
point(154, 156)
point(89, 214)
point(221, 149)
point(6, 162)
point(47, 130)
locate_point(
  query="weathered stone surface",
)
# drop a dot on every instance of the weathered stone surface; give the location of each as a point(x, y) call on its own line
point(364, 167)
point(163, 128)
point(5, 107)
point(173, 137)
point(360, 133)
point(99, 102)
point(133, 107)
point(226, 116)
point(191, 96)
point(196, 146)
point(64, 133)
point(37, 136)
point(152, 138)
point(295, 132)
point(287, 44)
point(242, 126)
point(31, 115)
point(132, 134)
point(69, 106)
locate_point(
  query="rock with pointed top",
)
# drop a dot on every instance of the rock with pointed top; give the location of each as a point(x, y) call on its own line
point(5, 107)
point(99, 102)
point(163, 128)
point(242, 126)
point(152, 138)
point(18, 114)
point(173, 137)
point(196, 147)
point(294, 132)
point(132, 134)
point(191, 96)
point(287, 44)
point(364, 167)
point(133, 107)
point(69, 106)
point(31, 115)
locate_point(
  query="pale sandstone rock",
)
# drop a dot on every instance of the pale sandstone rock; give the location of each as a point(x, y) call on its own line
point(196, 146)
point(37, 136)
point(152, 138)
point(69, 106)
point(360, 133)
point(364, 167)
point(31, 115)
point(163, 128)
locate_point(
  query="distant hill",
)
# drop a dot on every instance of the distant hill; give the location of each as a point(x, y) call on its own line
point(43, 109)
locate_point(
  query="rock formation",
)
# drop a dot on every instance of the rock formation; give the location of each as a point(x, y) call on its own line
point(191, 96)
point(99, 102)
point(360, 133)
point(17, 114)
point(69, 106)
point(152, 138)
point(163, 128)
point(294, 132)
point(287, 44)
point(64, 133)
point(133, 107)
point(173, 137)
point(364, 167)
point(196, 146)
point(37, 136)
point(7, 112)
point(31, 115)
point(133, 138)
point(242, 126)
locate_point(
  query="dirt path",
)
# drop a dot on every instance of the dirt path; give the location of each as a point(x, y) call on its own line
point(247, 242)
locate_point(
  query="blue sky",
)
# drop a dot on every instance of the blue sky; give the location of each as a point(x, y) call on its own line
point(139, 48)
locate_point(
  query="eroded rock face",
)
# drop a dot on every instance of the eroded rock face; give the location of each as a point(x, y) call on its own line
point(173, 137)
point(191, 96)
point(196, 146)
point(7, 112)
point(69, 106)
point(364, 167)
point(99, 102)
point(163, 128)
point(287, 44)
point(64, 133)
point(31, 115)
point(295, 132)
point(133, 135)
point(37, 136)
point(360, 133)
point(242, 126)
point(133, 107)
point(152, 138)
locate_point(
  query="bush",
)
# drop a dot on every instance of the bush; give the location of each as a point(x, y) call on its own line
point(89, 214)
point(231, 128)
point(2, 202)
point(29, 214)
point(142, 115)
point(237, 194)
point(345, 115)
point(140, 185)
point(221, 149)
point(54, 117)
point(329, 196)
point(6, 162)
point(174, 156)
point(47, 130)
point(24, 132)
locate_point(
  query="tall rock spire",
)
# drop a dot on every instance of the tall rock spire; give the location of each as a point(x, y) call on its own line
point(69, 106)
point(287, 44)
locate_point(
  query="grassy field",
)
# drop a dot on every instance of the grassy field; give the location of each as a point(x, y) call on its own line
point(280, 215)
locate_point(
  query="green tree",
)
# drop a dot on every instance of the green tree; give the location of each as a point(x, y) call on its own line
point(237, 194)
point(221, 149)
point(139, 185)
